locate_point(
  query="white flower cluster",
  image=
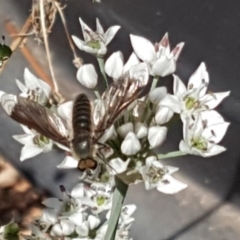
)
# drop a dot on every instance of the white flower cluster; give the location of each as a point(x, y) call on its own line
point(130, 143)
point(142, 128)
point(76, 216)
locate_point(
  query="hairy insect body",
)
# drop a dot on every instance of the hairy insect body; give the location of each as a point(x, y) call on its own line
point(82, 142)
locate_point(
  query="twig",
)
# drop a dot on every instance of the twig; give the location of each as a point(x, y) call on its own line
point(11, 29)
point(77, 60)
point(19, 39)
point(45, 38)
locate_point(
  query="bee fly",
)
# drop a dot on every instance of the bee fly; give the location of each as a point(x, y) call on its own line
point(87, 131)
point(82, 142)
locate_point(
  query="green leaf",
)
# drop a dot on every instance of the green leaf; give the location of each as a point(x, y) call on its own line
point(118, 199)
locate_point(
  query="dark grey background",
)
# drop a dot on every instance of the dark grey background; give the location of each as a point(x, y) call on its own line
point(209, 207)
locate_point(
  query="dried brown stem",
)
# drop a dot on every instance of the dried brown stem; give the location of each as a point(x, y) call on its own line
point(19, 39)
point(45, 38)
point(11, 29)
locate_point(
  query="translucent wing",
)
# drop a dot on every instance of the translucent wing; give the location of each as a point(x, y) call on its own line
point(118, 97)
point(35, 116)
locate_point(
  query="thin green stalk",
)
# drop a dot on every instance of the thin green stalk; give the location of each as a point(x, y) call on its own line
point(97, 94)
point(101, 66)
point(171, 155)
point(118, 198)
point(154, 82)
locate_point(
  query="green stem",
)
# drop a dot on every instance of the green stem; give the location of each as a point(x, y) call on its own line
point(101, 66)
point(118, 198)
point(171, 155)
point(97, 94)
point(154, 82)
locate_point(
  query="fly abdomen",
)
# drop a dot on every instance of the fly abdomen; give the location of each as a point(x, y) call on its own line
point(81, 119)
point(82, 127)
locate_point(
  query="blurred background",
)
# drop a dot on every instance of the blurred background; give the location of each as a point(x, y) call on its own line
point(209, 207)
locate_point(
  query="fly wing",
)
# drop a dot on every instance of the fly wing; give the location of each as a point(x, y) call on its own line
point(118, 97)
point(35, 116)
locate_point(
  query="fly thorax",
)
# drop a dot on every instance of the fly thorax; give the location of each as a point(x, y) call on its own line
point(82, 147)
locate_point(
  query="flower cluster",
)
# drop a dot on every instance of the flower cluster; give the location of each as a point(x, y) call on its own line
point(126, 149)
point(77, 215)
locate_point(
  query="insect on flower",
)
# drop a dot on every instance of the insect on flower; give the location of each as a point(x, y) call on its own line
point(88, 124)
point(5, 52)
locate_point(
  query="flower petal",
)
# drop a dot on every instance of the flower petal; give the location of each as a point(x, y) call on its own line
point(78, 42)
point(140, 130)
point(143, 48)
point(24, 138)
point(68, 162)
point(177, 50)
point(114, 65)
point(199, 79)
point(53, 203)
point(132, 61)
point(212, 100)
point(213, 151)
point(93, 222)
point(170, 185)
point(87, 76)
point(76, 218)
point(156, 135)
point(216, 132)
point(21, 86)
point(85, 27)
point(124, 129)
point(163, 115)
point(164, 66)
point(179, 88)
point(118, 165)
point(110, 33)
point(171, 102)
point(157, 94)
point(140, 72)
point(30, 150)
point(99, 27)
point(130, 145)
point(78, 191)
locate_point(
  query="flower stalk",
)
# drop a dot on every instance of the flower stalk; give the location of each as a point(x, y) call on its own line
point(101, 66)
point(118, 199)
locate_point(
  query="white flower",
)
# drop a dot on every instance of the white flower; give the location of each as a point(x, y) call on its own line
point(91, 224)
point(117, 165)
point(87, 76)
point(126, 214)
point(124, 129)
point(114, 66)
point(157, 94)
point(98, 197)
point(163, 114)
point(36, 234)
point(62, 228)
point(95, 42)
point(68, 162)
point(140, 130)
point(47, 219)
point(69, 208)
point(156, 175)
point(33, 142)
point(34, 88)
point(194, 98)
point(156, 136)
point(130, 145)
point(202, 135)
point(160, 60)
